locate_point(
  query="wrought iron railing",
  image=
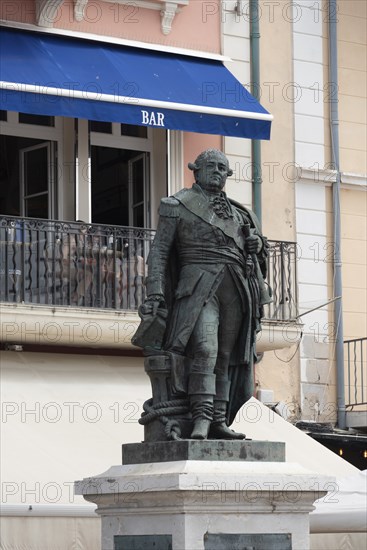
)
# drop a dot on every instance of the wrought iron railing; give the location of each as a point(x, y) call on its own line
point(72, 264)
point(282, 279)
point(355, 356)
point(100, 266)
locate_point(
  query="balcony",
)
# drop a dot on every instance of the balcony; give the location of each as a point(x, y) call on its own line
point(74, 273)
point(355, 357)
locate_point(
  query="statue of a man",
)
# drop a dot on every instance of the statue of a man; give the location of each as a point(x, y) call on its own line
point(205, 270)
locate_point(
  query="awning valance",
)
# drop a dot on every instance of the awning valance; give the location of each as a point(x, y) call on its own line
point(66, 76)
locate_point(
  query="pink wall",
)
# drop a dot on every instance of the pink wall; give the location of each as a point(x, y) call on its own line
point(194, 144)
point(196, 27)
point(18, 10)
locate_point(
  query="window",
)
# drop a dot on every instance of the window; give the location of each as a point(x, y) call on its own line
point(25, 176)
point(36, 163)
point(134, 131)
point(128, 130)
point(37, 120)
point(101, 127)
point(28, 148)
point(120, 185)
point(121, 174)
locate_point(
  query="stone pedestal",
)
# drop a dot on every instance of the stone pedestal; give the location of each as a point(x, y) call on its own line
point(223, 499)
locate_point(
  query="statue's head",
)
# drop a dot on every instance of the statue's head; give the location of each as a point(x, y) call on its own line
point(211, 169)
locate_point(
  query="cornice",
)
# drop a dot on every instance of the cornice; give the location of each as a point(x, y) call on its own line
point(348, 180)
point(168, 9)
point(351, 180)
point(311, 175)
point(47, 11)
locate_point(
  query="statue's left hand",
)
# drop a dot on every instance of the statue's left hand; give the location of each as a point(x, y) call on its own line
point(253, 244)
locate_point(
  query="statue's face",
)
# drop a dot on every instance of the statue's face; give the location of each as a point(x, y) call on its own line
point(212, 173)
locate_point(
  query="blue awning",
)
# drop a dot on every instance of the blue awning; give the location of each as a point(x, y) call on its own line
point(62, 76)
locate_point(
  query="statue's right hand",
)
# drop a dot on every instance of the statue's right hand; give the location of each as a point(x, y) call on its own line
point(152, 303)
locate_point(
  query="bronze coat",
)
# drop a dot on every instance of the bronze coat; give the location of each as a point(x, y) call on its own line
point(191, 250)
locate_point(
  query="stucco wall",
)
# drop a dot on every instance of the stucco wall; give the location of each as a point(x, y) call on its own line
point(279, 370)
point(236, 44)
point(354, 260)
point(352, 67)
point(277, 95)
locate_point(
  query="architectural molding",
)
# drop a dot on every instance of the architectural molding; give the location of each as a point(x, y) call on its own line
point(176, 167)
point(24, 324)
point(319, 175)
point(168, 9)
point(79, 9)
point(327, 177)
point(49, 510)
point(46, 12)
point(168, 15)
point(355, 181)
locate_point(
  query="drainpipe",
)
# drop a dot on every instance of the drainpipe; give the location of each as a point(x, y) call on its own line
point(337, 264)
point(255, 90)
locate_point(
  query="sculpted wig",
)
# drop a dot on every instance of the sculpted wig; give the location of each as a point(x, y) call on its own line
point(205, 156)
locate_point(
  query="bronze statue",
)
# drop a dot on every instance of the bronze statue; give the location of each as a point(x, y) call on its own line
point(205, 292)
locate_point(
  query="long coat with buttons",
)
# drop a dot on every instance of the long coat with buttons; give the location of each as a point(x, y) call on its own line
point(192, 248)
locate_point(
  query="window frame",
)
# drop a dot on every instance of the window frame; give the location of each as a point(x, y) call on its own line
point(116, 140)
point(54, 134)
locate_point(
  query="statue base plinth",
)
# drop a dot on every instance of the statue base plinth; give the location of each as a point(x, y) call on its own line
point(191, 449)
point(190, 502)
